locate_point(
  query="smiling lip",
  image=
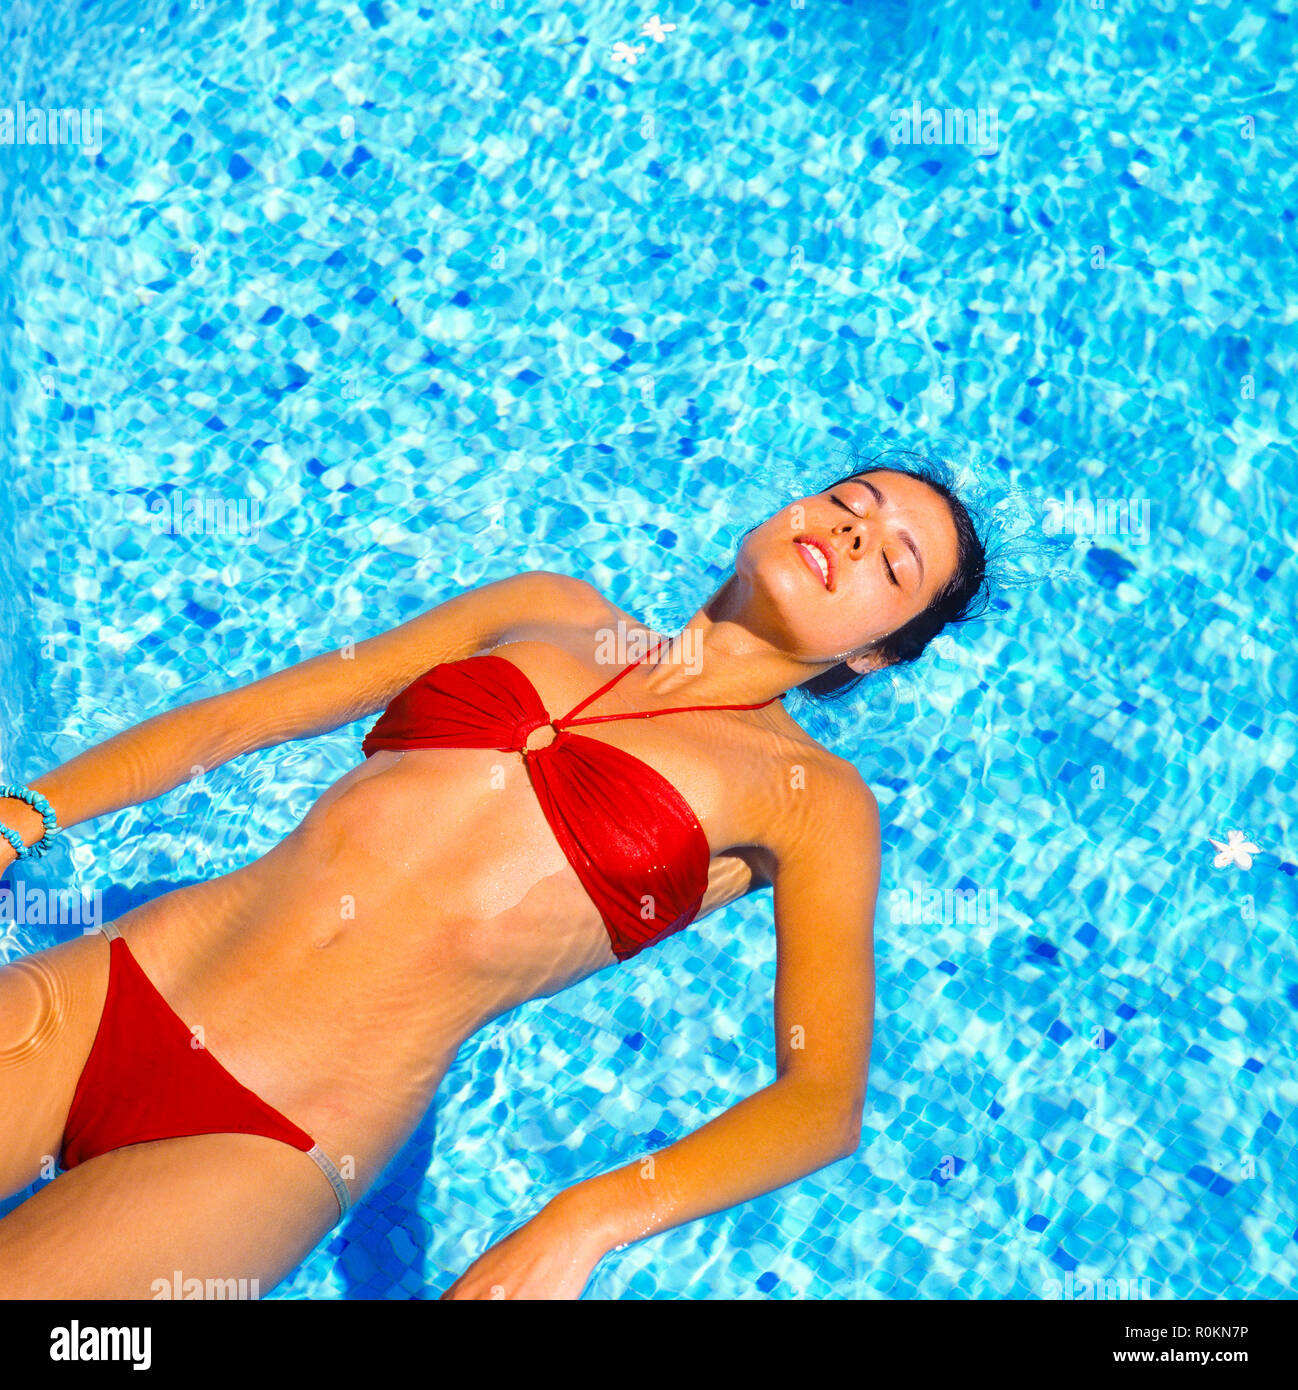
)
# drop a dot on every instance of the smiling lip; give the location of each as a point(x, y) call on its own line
point(805, 543)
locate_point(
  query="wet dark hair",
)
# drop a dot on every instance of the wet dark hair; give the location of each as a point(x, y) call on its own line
point(962, 598)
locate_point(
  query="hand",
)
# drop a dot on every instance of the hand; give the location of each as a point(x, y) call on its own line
point(551, 1257)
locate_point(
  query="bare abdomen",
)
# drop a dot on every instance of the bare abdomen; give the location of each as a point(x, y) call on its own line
point(421, 896)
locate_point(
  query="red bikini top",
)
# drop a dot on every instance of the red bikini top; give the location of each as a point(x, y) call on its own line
point(631, 837)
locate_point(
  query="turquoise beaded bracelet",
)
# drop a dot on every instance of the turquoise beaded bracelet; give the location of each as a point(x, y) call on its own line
point(38, 803)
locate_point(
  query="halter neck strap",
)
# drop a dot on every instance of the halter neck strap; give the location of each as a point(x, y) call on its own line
point(641, 714)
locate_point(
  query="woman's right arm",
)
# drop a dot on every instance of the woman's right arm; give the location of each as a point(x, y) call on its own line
point(300, 701)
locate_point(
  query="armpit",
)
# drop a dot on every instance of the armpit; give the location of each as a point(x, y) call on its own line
point(732, 876)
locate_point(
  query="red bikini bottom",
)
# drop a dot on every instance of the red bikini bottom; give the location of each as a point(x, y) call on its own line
point(146, 1078)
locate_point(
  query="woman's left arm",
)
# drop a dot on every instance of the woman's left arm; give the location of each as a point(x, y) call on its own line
point(825, 885)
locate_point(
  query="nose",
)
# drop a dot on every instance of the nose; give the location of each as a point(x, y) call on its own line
point(853, 533)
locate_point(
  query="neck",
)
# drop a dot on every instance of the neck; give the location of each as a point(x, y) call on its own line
point(719, 658)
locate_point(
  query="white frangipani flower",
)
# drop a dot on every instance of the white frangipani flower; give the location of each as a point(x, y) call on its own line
point(1238, 850)
point(655, 29)
point(625, 53)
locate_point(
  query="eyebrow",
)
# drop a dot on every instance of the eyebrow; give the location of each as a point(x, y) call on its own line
point(906, 537)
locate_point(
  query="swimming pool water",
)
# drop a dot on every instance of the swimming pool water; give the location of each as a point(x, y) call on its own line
point(455, 292)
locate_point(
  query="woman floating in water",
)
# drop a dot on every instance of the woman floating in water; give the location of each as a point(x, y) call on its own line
point(222, 1071)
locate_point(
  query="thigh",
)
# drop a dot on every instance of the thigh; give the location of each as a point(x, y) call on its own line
point(50, 1005)
point(207, 1207)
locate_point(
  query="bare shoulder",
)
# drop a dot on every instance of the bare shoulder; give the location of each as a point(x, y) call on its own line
point(815, 808)
point(838, 776)
point(562, 598)
point(847, 805)
point(566, 589)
